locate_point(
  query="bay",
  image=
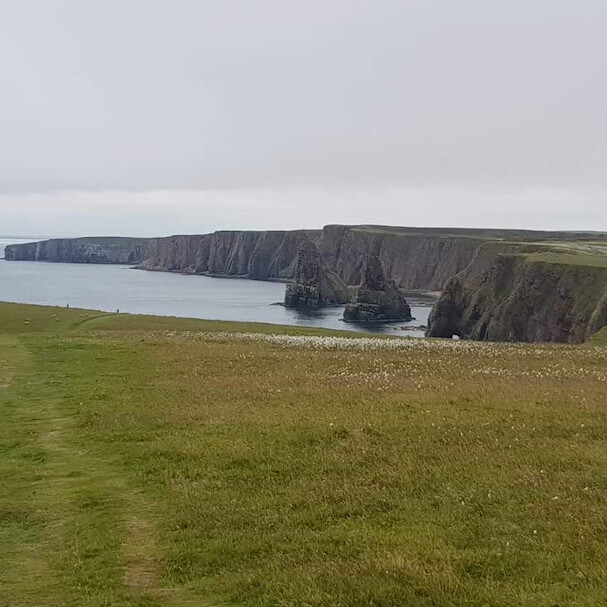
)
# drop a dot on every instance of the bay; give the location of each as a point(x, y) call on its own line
point(115, 287)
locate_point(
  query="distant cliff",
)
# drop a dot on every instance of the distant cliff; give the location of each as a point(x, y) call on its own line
point(270, 255)
point(413, 260)
point(80, 250)
point(314, 285)
point(514, 293)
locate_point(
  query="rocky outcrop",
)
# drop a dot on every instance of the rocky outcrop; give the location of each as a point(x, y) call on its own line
point(424, 259)
point(522, 295)
point(314, 286)
point(80, 250)
point(377, 299)
point(414, 259)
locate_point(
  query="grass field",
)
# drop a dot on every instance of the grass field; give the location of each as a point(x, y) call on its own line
point(151, 462)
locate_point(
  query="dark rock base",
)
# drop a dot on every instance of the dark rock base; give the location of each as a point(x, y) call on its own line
point(367, 313)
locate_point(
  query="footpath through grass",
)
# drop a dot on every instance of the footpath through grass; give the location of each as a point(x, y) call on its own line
point(173, 462)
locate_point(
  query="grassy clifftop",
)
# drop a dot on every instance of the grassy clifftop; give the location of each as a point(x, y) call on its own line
point(487, 233)
point(600, 337)
point(157, 461)
point(569, 259)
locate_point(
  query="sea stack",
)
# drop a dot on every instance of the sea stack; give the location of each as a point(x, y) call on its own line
point(314, 286)
point(378, 298)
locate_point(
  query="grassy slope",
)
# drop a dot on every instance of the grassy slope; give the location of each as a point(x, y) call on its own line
point(140, 465)
point(600, 338)
point(588, 240)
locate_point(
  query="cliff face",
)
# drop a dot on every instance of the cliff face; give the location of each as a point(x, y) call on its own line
point(80, 250)
point(509, 294)
point(378, 298)
point(314, 286)
point(413, 261)
point(257, 255)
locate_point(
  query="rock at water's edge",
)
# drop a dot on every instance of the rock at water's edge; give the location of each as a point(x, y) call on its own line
point(314, 285)
point(515, 297)
point(378, 298)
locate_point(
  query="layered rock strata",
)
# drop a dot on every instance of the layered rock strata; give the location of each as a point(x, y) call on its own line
point(93, 250)
point(377, 299)
point(522, 296)
point(413, 259)
point(270, 255)
point(314, 286)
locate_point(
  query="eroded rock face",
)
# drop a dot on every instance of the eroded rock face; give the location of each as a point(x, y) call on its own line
point(377, 299)
point(414, 261)
point(94, 250)
point(268, 255)
point(314, 285)
point(505, 295)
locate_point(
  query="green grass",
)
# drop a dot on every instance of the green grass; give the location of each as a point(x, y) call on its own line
point(21, 319)
point(152, 461)
point(600, 337)
point(572, 259)
point(557, 238)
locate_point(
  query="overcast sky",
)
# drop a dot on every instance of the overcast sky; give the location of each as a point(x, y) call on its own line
point(151, 117)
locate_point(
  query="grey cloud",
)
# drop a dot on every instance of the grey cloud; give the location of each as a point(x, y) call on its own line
point(233, 94)
point(157, 212)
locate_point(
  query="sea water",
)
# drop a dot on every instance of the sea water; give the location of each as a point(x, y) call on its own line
point(117, 287)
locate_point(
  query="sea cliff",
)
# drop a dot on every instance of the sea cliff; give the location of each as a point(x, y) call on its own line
point(98, 250)
point(496, 284)
point(268, 255)
point(523, 293)
point(414, 260)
